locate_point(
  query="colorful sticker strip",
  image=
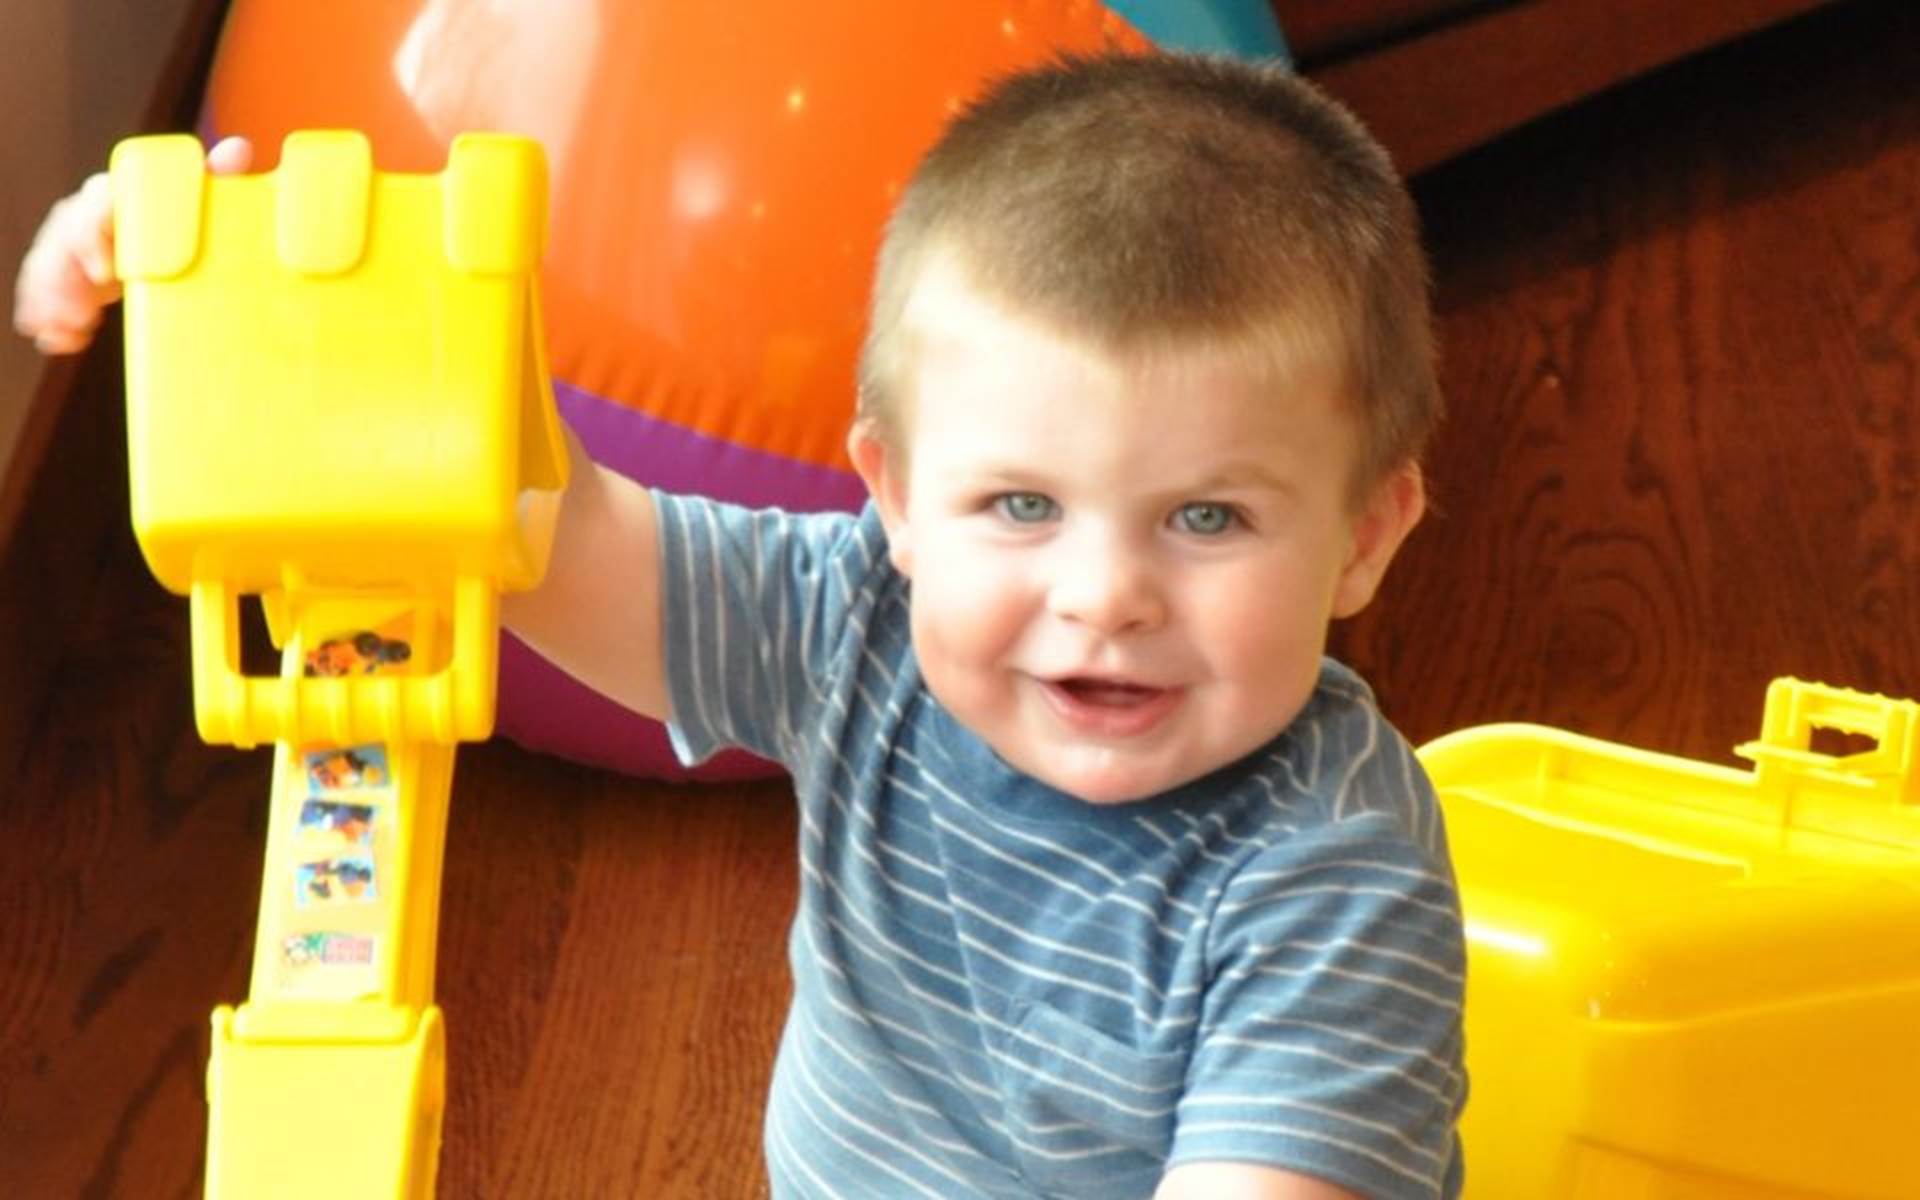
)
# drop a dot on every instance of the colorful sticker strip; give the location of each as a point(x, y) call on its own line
point(341, 845)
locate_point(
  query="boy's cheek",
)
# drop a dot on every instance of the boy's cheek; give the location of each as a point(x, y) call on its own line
point(883, 469)
point(899, 531)
point(899, 535)
point(900, 553)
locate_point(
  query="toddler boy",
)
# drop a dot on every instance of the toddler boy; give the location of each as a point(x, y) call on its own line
point(1111, 884)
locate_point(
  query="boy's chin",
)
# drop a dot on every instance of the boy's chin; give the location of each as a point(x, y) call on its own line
point(1107, 784)
point(1115, 797)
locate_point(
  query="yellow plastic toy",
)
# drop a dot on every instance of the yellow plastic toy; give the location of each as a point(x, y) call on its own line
point(338, 401)
point(1687, 981)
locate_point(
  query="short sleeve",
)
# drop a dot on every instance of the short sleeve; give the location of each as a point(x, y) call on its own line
point(757, 607)
point(1330, 1034)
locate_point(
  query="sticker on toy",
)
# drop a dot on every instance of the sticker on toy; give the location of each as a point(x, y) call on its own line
point(346, 879)
point(352, 823)
point(345, 768)
point(359, 652)
point(328, 949)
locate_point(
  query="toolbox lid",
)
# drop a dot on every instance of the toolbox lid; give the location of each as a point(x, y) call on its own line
point(1652, 887)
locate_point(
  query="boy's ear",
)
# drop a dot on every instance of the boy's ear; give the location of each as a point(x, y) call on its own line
point(1389, 515)
point(884, 470)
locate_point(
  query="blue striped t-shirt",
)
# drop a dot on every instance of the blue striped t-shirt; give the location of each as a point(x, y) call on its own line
point(1001, 990)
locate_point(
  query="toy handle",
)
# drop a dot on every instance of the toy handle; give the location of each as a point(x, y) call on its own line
point(1796, 709)
point(453, 704)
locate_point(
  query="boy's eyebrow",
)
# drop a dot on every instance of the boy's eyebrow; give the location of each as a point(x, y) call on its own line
point(1007, 473)
point(1231, 477)
point(1242, 475)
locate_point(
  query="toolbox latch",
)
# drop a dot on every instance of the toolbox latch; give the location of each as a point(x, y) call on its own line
point(1871, 792)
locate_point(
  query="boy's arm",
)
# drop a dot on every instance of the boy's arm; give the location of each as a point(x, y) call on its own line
point(1244, 1181)
point(596, 614)
point(1340, 947)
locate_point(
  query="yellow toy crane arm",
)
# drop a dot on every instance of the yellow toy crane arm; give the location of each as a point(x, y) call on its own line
point(338, 401)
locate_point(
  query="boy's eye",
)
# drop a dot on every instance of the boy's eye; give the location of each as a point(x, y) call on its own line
point(1205, 517)
point(1026, 508)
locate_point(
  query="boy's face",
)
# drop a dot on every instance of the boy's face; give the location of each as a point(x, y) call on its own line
point(1122, 572)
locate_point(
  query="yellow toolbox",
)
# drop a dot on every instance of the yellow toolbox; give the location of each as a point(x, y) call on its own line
point(1688, 980)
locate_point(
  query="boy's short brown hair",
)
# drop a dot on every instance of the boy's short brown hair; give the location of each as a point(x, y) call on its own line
point(1136, 202)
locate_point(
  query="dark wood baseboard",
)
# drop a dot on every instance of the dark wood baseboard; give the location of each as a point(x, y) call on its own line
point(1463, 82)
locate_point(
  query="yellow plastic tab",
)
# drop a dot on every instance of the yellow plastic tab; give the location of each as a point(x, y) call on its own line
point(496, 195)
point(158, 237)
point(1686, 979)
point(325, 185)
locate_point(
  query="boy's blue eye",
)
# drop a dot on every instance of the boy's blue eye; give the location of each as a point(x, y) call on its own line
point(1025, 508)
point(1205, 517)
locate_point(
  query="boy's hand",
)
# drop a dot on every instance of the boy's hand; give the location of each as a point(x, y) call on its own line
point(67, 280)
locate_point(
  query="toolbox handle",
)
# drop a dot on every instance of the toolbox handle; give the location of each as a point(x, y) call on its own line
point(1784, 758)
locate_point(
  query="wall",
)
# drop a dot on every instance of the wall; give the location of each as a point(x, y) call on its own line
point(75, 76)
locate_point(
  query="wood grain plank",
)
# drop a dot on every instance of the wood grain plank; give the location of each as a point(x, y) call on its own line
point(1680, 341)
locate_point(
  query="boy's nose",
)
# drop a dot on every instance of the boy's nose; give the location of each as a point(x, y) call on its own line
point(1108, 588)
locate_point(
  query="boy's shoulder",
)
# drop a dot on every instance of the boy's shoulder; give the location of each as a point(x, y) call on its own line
point(1349, 763)
point(1344, 701)
point(691, 522)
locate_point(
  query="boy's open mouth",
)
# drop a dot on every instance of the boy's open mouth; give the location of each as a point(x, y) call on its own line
point(1107, 693)
point(1109, 707)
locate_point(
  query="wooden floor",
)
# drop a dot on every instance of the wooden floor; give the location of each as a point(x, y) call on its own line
point(1682, 329)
